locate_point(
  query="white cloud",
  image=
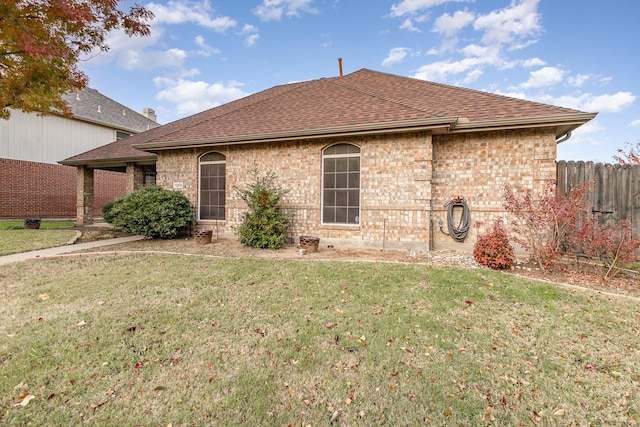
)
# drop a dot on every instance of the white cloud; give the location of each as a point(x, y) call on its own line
point(533, 62)
point(407, 24)
point(205, 50)
point(449, 25)
point(579, 80)
point(150, 59)
point(546, 76)
point(472, 76)
point(635, 123)
point(272, 10)
point(180, 12)
point(397, 54)
point(410, 7)
point(250, 33)
point(191, 96)
point(607, 103)
point(439, 71)
point(512, 23)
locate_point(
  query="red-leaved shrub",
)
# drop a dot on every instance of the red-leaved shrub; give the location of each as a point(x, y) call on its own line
point(493, 248)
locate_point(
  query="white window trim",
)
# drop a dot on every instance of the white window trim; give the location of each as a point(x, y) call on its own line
point(335, 156)
point(210, 162)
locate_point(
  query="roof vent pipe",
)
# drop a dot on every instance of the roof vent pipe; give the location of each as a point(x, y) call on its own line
point(340, 65)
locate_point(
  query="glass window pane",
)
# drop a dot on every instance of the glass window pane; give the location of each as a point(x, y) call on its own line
point(341, 165)
point(341, 180)
point(341, 198)
point(212, 157)
point(329, 180)
point(328, 215)
point(354, 198)
point(354, 164)
point(341, 215)
point(329, 165)
point(330, 198)
point(353, 216)
point(354, 180)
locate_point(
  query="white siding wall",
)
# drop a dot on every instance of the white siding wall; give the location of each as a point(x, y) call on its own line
point(49, 139)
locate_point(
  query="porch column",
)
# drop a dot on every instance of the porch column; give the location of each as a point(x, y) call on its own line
point(84, 196)
point(135, 177)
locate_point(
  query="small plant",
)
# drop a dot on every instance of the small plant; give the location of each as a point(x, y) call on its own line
point(265, 224)
point(152, 212)
point(542, 223)
point(611, 247)
point(493, 248)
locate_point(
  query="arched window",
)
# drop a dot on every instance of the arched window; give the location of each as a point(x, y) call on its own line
point(341, 184)
point(212, 187)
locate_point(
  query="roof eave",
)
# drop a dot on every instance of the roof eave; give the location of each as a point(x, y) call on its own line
point(440, 124)
point(563, 123)
point(111, 162)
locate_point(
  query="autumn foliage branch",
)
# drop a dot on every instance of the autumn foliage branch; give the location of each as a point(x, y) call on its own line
point(41, 43)
point(548, 225)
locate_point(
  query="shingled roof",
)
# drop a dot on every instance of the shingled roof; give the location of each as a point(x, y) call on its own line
point(92, 106)
point(359, 103)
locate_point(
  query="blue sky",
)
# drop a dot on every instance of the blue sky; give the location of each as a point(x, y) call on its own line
point(580, 54)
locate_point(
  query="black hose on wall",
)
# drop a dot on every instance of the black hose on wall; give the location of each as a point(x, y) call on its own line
point(458, 232)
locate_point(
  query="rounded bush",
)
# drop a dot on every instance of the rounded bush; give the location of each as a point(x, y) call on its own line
point(493, 248)
point(151, 212)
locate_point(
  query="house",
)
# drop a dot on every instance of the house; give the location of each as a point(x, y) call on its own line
point(369, 159)
point(34, 184)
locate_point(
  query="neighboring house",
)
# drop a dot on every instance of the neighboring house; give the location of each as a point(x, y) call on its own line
point(33, 184)
point(369, 159)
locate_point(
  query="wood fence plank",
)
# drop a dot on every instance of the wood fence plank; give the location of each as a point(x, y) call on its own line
point(615, 189)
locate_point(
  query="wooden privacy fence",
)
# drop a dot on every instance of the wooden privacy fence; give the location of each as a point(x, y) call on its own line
point(615, 194)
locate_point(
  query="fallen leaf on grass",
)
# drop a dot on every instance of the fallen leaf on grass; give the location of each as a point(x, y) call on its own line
point(468, 301)
point(24, 399)
point(43, 297)
point(138, 365)
point(329, 325)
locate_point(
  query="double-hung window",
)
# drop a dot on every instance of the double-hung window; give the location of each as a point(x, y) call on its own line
point(212, 187)
point(341, 184)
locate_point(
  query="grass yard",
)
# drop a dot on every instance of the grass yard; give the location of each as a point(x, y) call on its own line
point(18, 224)
point(15, 239)
point(158, 339)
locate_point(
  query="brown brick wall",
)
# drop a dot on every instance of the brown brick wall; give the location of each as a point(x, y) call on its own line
point(476, 166)
point(402, 178)
point(44, 190)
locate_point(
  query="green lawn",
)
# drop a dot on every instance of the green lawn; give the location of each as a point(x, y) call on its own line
point(18, 224)
point(188, 340)
point(15, 239)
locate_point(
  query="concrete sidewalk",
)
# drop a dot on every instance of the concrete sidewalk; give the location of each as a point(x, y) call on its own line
point(45, 253)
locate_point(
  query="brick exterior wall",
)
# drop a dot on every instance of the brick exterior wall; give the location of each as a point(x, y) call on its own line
point(476, 166)
point(44, 190)
point(405, 181)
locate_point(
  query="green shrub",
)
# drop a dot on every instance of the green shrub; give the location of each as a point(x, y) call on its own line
point(265, 224)
point(152, 212)
point(107, 211)
point(493, 249)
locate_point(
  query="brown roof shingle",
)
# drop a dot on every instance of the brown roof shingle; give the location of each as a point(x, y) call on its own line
point(364, 98)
